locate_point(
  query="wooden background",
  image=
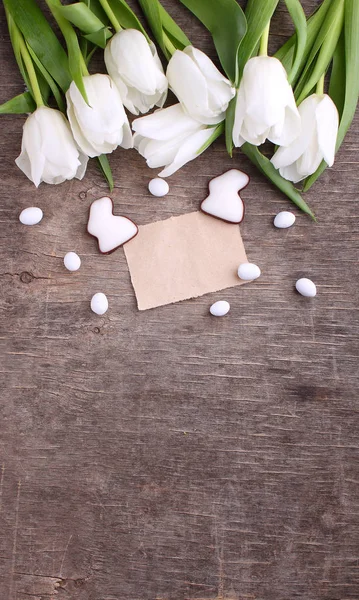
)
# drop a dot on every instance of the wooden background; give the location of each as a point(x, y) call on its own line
point(167, 454)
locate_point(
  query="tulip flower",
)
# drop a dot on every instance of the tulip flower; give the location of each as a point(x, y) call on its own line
point(317, 141)
point(136, 69)
point(169, 138)
point(201, 89)
point(265, 105)
point(48, 150)
point(101, 125)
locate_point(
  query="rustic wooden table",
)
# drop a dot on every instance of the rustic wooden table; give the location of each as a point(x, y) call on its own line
point(166, 454)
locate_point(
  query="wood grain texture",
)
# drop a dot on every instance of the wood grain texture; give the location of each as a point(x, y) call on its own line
point(168, 455)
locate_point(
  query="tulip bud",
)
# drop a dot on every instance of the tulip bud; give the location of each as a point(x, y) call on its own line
point(265, 105)
point(169, 138)
point(48, 150)
point(101, 125)
point(316, 142)
point(134, 66)
point(201, 89)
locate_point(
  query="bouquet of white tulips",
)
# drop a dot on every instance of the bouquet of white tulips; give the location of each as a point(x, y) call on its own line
point(256, 99)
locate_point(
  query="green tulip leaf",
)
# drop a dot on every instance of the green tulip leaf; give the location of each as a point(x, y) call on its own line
point(80, 15)
point(75, 58)
point(300, 23)
point(227, 25)
point(338, 76)
point(96, 9)
point(322, 51)
point(21, 104)
point(41, 38)
point(258, 15)
point(351, 45)
point(173, 31)
point(125, 16)
point(106, 170)
point(230, 114)
point(99, 38)
point(48, 79)
point(217, 131)
point(286, 54)
point(265, 166)
point(151, 10)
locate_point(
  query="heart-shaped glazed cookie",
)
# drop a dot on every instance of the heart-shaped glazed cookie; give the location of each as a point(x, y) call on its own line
point(111, 231)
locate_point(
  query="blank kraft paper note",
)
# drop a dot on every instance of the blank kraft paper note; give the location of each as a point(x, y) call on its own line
point(183, 257)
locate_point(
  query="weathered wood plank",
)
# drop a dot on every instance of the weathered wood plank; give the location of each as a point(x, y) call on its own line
point(165, 454)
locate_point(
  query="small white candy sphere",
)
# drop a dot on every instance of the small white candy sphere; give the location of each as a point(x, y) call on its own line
point(99, 303)
point(158, 187)
point(248, 271)
point(220, 308)
point(306, 287)
point(284, 219)
point(72, 261)
point(31, 215)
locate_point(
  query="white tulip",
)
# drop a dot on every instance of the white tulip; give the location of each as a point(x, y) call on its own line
point(101, 125)
point(201, 89)
point(265, 105)
point(134, 66)
point(48, 150)
point(169, 138)
point(316, 142)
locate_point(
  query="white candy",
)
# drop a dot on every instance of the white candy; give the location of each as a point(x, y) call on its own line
point(284, 219)
point(306, 287)
point(72, 261)
point(220, 308)
point(158, 187)
point(248, 271)
point(31, 215)
point(224, 201)
point(110, 230)
point(99, 303)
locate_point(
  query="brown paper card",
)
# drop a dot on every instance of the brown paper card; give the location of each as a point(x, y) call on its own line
point(183, 257)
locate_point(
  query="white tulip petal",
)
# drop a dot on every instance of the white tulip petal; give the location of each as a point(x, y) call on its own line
point(188, 151)
point(189, 84)
point(202, 90)
point(265, 85)
point(220, 91)
point(285, 132)
point(137, 71)
point(327, 126)
point(165, 124)
point(291, 173)
point(160, 154)
point(207, 67)
point(265, 107)
point(100, 126)
point(48, 151)
point(310, 160)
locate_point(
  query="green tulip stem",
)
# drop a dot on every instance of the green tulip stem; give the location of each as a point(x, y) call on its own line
point(111, 15)
point(29, 65)
point(263, 48)
point(320, 85)
point(169, 46)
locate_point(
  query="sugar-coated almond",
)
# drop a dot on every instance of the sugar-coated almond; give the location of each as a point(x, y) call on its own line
point(220, 308)
point(248, 271)
point(158, 187)
point(306, 287)
point(31, 215)
point(72, 261)
point(99, 303)
point(284, 219)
